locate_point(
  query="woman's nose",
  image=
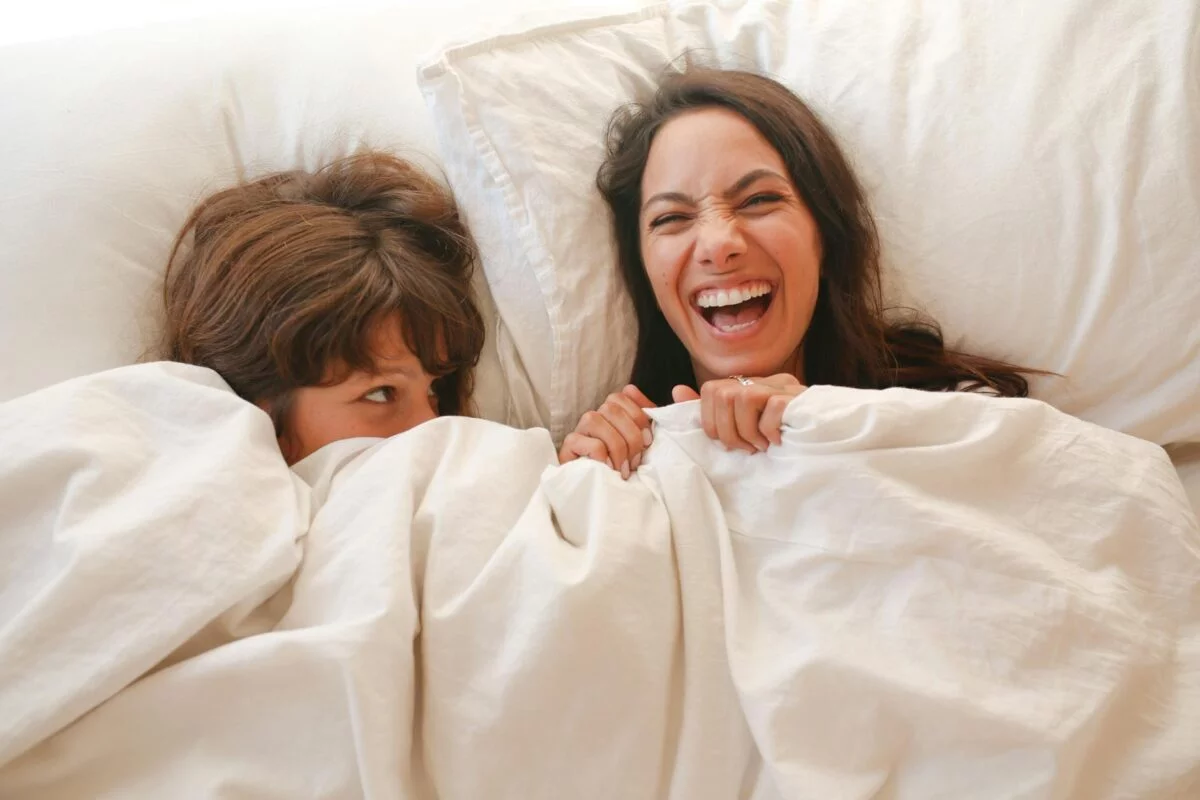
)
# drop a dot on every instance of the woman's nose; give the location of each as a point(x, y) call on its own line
point(718, 241)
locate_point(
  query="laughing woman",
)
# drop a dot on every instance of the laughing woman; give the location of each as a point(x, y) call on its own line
point(752, 259)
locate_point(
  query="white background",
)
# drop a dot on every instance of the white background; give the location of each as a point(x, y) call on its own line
point(32, 20)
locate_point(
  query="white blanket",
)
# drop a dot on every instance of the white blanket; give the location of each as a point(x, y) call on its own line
point(915, 596)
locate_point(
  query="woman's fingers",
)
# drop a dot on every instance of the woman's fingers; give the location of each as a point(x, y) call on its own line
point(783, 381)
point(748, 406)
point(631, 422)
point(577, 445)
point(717, 414)
point(682, 394)
point(708, 420)
point(741, 414)
point(616, 434)
point(647, 425)
point(770, 424)
point(595, 425)
point(635, 394)
point(745, 414)
point(623, 404)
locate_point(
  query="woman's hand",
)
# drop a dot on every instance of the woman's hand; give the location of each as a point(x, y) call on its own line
point(744, 414)
point(616, 434)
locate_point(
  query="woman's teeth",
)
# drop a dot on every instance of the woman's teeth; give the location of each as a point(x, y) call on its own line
point(734, 327)
point(719, 298)
point(737, 308)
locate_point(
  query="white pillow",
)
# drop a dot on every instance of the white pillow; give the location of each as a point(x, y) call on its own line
point(109, 139)
point(1032, 165)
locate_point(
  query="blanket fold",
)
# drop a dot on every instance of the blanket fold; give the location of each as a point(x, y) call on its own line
point(916, 595)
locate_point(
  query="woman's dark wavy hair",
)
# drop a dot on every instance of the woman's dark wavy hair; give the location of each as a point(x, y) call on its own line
point(851, 340)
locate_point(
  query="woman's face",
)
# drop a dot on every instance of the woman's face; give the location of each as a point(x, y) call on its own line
point(731, 250)
point(390, 399)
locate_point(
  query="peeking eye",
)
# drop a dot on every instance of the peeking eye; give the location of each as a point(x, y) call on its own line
point(380, 394)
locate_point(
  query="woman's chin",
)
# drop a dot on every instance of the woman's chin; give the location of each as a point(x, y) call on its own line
point(746, 360)
point(717, 368)
point(750, 350)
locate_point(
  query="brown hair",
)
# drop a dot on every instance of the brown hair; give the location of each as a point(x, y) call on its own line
point(287, 275)
point(850, 341)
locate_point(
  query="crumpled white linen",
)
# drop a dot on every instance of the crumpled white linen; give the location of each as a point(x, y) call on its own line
point(917, 595)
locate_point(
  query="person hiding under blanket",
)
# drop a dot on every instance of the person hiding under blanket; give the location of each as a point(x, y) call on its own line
point(339, 301)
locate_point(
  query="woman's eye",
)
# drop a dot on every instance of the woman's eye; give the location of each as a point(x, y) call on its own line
point(380, 394)
point(762, 198)
point(665, 219)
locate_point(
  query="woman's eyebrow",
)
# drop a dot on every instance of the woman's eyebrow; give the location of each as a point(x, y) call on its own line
point(739, 186)
point(752, 177)
point(668, 197)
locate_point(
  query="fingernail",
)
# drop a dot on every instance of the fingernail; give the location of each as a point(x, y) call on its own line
point(637, 462)
point(647, 437)
point(609, 462)
point(625, 470)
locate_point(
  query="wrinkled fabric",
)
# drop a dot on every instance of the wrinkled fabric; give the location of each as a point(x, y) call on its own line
point(916, 595)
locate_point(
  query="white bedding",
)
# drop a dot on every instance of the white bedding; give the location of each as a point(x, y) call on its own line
point(915, 596)
point(1033, 167)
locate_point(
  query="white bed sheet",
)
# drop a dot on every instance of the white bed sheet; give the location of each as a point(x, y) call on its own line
point(1186, 459)
point(920, 595)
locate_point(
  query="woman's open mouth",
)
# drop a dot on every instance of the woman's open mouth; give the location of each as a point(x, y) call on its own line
point(734, 309)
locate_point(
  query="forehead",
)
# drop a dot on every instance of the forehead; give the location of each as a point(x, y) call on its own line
point(706, 149)
point(388, 351)
point(387, 347)
point(385, 339)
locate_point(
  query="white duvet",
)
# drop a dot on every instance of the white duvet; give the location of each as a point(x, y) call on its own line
point(915, 596)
